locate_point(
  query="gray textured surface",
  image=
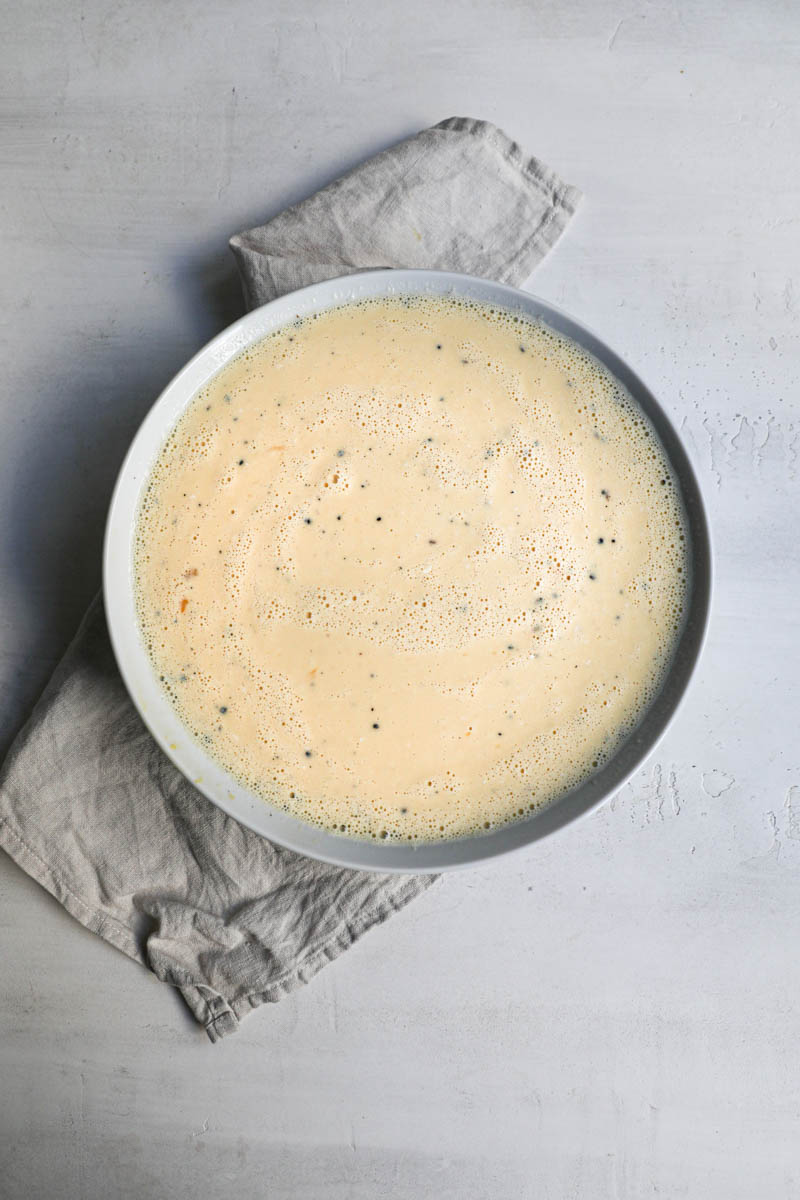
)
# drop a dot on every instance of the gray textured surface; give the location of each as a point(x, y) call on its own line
point(616, 1012)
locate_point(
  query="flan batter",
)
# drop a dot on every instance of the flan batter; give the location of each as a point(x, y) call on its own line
point(410, 569)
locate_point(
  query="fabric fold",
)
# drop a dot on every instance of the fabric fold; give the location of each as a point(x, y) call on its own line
point(89, 805)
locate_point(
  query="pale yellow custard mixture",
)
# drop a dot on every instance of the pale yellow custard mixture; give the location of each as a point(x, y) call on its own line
point(410, 569)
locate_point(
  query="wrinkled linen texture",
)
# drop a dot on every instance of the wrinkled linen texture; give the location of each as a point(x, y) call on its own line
point(89, 804)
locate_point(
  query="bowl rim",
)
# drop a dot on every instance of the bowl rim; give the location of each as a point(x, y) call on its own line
point(217, 784)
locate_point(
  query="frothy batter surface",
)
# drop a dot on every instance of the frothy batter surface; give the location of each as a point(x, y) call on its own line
point(411, 569)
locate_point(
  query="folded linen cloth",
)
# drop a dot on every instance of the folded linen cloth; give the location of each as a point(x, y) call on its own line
point(89, 805)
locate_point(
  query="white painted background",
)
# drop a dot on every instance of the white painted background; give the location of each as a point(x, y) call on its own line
point(615, 1013)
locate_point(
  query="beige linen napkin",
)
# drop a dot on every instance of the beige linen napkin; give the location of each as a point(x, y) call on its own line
point(89, 805)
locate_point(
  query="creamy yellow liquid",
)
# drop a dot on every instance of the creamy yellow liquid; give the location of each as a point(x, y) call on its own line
point(411, 569)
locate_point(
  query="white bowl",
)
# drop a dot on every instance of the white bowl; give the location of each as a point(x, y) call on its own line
point(209, 776)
